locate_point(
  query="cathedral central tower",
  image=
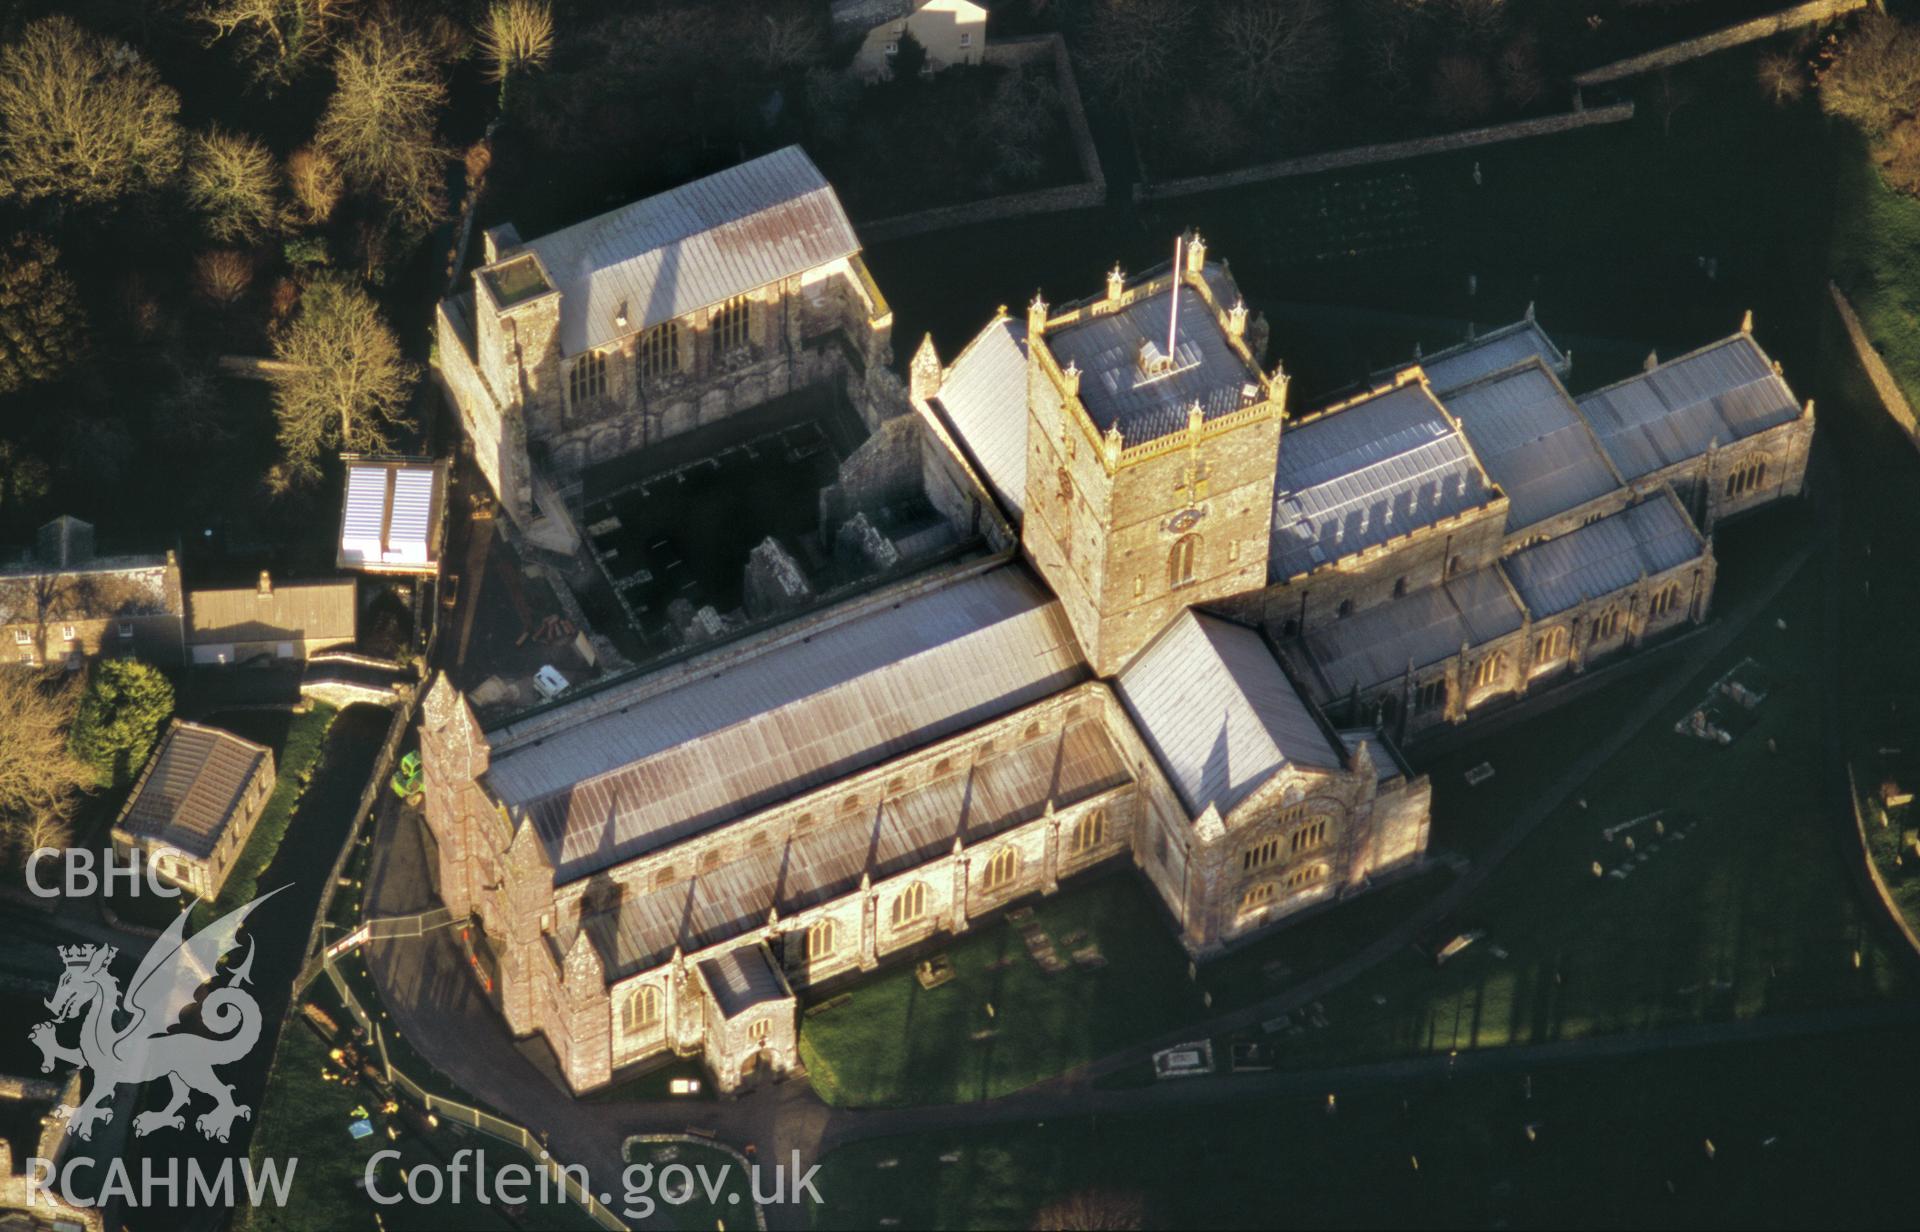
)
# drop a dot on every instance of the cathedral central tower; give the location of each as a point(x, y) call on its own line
point(1152, 434)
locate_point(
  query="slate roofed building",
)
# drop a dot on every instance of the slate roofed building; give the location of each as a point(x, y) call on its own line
point(595, 343)
point(195, 804)
point(1220, 618)
point(62, 604)
point(270, 621)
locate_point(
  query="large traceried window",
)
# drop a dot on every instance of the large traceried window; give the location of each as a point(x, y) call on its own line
point(660, 351)
point(1664, 600)
point(731, 322)
point(588, 379)
point(1747, 478)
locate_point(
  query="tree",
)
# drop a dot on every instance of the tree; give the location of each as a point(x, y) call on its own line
point(1092, 1210)
point(1462, 89)
point(514, 36)
point(39, 775)
point(379, 125)
point(1522, 80)
point(222, 276)
point(314, 180)
point(785, 41)
point(1874, 79)
point(231, 180)
point(909, 58)
point(1782, 77)
point(82, 119)
point(278, 39)
point(42, 326)
point(1276, 53)
point(345, 384)
point(25, 480)
point(1136, 47)
point(119, 718)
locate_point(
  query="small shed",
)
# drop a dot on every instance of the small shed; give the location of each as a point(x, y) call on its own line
point(394, 515)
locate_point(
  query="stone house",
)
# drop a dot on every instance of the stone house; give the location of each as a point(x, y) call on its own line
point(63, 604)
point(194, 805)
point(600, 341)
point(952, 31)
point(269, 621)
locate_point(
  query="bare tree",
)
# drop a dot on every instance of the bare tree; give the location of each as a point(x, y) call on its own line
point(1874, 80)
point(222, 276)
point(1522, 80)
point(314, 180)
point(1136, 46)
point(232, 181)
point(345, 385)
point(39, 775)
point(379, 125)
point(1478, 21)
point(1782, 77)
point(1462, 88)
point(514, 36)
point(277, 38)
point(1276, 52)
point(82, 119)
point(1670, 94)
point(1092, 1210)
point(786, 40)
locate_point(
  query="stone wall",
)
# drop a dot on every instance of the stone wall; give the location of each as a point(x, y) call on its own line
point(1385, 152)
point(1720, 40)
point(1893, 399)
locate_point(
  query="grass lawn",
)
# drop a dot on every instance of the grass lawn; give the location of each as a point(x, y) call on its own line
point(305, 1118)
point(1617, 1143)
point(694, 1187)
point(893, 1042)
point(1745, 905)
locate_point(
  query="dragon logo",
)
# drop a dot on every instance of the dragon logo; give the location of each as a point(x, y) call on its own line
point(146, 1047)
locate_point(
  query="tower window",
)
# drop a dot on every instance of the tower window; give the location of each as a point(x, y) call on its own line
point(1181, 562)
